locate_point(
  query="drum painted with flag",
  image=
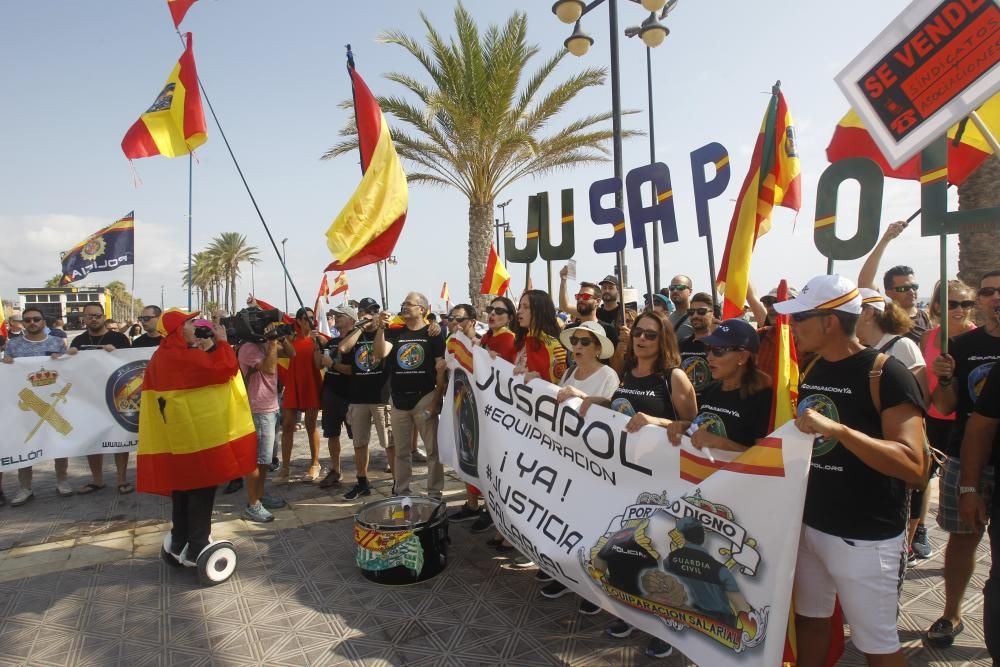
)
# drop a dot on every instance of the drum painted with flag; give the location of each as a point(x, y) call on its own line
point(401, 540)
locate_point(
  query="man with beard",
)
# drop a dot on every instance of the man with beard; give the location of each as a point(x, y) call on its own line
point(694, 354)
point(588, 302)
point(679, 292)
point(898, 283)
point(611, 307)
point(149, 318)
point(99, 337)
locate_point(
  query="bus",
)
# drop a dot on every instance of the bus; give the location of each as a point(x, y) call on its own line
point(64, 302)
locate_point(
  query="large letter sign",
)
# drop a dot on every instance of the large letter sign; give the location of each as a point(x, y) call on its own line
point(869, 177)
point(714, 154)
point(661, 211)
point(567, 245)
point(607, 216)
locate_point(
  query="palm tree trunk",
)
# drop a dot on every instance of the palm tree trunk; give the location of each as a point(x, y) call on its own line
point(979, 246)
point(480, 240)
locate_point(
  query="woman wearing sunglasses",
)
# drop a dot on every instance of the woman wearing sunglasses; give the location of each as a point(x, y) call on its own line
point(500, 339)
point(735, 408)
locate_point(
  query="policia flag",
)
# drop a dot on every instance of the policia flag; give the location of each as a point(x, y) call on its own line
point(106, 250)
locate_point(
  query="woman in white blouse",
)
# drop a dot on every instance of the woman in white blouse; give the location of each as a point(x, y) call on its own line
point(587, 376)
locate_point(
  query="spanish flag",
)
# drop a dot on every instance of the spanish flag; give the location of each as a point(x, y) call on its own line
point(368, 227)
point(178, 8)
point(785, 374)
point(496, 280)
point(851, 139)
point(339, 284)
point(445, 294)
point(195, 427)
point(175, 123)
point(764, 458)
point(773, 180)
point(324, 292)
point(462, 354)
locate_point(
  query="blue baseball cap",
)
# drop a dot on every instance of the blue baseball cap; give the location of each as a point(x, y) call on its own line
point(734, 333)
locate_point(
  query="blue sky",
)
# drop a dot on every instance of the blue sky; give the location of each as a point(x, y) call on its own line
point(83, 72)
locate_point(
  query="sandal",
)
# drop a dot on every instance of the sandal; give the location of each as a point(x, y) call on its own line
point(89, 487)
point(942, 633)
point(125, 488)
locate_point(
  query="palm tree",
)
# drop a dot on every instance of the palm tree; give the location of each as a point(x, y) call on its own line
point(54, 281)
point(979, 246)
point(482, 122)
point(229, 250)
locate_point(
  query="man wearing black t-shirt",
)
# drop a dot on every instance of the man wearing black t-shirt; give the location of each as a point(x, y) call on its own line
point(960, 378)
point(411, 355)
point(149, 318)
point(97, 336)
point(694, 354)
point(867, 448)
point(980, 445)
point(369, 391)
point(588, 303)
point(336, 393)
point(611, 306)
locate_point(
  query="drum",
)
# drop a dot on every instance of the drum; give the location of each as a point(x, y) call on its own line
point(401, 540)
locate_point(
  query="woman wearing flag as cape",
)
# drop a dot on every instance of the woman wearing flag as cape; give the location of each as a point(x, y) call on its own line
point(195, 432)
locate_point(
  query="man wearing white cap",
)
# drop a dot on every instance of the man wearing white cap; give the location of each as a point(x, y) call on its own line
point(865, 410)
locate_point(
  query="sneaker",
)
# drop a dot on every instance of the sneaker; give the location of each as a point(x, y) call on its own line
point(358, 489)
point(419, 457)
point(658, 648)
point(543, 577)
point(522, 561)
point(275, 464)
point(588, 608)
point(257, 513)
point(911, 558)
point(272, 503)
point(619, 629)
point(921, 546)
point(64, 489)
point(332, 479)
point(483, 523)
point(553, 590)
point(233, 486)
point(942, 634)
point(464, 513)
point(23, 496)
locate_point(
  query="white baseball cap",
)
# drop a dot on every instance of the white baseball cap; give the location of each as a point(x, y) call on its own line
point(873, 298)
point(824, 293)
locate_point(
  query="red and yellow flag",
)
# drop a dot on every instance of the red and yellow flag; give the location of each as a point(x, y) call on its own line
point(324, 292)
point(195, 427)
point(785, 373)
point(851, 139)
point(496, 280)
point(3, 323)
point(339, 284)
point(369, 225)
point(773, 180)
point(175, 123)
point(445, 294)
point(178, 8)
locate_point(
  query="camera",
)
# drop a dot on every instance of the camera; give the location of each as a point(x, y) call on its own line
point(249, 324)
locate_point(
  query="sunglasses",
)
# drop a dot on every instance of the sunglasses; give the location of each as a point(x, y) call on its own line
point(497, 311)
point(32, 319)
point(723, 350)
point(459, 319)
point(146, 318)
point(584, 296)
point(679, 288)
point(808, 315)
point(585, 341)
point(902, 289)
point(700, 311)
point(648, 334)
point(988, 291)
point(965, 305)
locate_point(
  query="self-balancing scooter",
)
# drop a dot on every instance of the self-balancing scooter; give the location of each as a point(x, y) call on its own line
point(216, 562)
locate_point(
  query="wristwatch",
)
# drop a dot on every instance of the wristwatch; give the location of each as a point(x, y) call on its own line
point(962, 490)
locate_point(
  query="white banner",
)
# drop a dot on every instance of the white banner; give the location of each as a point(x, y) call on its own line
point(698, 551)
point(75, 405)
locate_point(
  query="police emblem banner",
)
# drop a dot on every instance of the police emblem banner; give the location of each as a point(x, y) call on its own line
point(697, 550)
point(75, 405)
point(105, 250)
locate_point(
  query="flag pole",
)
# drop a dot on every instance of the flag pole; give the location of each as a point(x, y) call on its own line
point(190, 223)
point(712, 279)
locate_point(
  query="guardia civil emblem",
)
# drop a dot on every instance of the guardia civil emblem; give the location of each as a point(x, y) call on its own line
point(44, 405)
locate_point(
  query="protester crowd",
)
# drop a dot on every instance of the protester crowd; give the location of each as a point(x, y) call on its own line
point(888, 411)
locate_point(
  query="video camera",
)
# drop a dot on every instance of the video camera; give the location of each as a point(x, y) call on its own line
point(248, 326)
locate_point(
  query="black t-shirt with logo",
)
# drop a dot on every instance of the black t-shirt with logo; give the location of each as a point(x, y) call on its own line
point(368, 377)
point(609, 316)
point(988, 405)
point(116, 339)
point(145, 340)
point(694, 362)
point(725, 414)
point(975, 352)
point(338, 383)
point(845, 497)
point(649, 395)
point(411, 364)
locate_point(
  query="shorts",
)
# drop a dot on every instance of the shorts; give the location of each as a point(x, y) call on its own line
point(362, 417)
point(865, 574)
point(947, 516)
point(334, 414)
point(265, 424)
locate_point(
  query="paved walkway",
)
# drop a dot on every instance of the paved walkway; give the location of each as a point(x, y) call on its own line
point(81, 584)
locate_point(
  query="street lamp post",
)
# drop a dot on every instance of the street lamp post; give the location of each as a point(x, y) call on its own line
point(652, 34)
point(284, 266)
